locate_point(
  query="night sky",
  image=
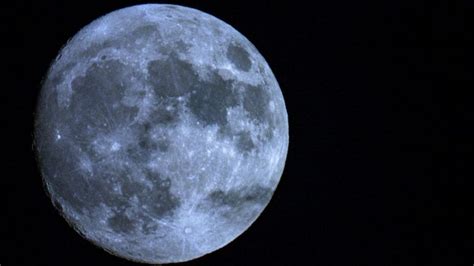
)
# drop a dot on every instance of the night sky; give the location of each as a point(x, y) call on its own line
point(380, 130)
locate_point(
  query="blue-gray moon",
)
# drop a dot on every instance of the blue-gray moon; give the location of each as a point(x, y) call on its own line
point(161, 133)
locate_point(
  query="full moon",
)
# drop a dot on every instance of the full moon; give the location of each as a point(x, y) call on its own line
point(161, 133)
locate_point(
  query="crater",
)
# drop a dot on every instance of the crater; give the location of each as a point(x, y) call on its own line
point(57, 205)
point(239, 57)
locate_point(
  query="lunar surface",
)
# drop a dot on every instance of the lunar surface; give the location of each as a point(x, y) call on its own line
point(161, 133)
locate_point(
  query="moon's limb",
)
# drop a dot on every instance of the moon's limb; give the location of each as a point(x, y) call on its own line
point(161, 133)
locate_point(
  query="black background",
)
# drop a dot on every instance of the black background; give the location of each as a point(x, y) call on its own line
point(379, 132)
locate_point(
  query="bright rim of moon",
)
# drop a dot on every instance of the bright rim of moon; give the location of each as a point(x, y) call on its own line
point(161, 133)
